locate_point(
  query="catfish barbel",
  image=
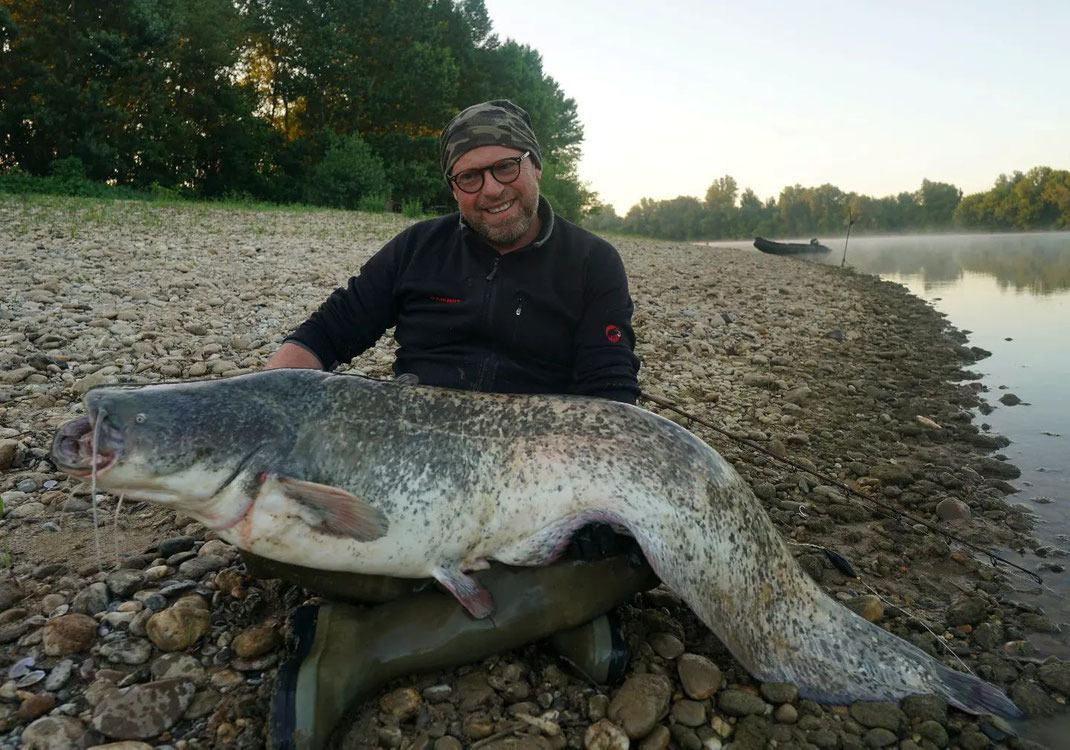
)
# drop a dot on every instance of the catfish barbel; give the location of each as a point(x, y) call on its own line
point(347, 473)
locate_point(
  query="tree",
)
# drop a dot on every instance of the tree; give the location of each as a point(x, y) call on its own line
point(937, 202)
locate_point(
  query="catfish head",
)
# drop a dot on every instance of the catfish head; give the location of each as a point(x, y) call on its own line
point(176, 444)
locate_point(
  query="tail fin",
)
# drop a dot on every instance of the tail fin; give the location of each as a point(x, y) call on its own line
point(976, 696)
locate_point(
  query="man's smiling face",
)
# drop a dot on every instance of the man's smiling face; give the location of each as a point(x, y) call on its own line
point(506, 215)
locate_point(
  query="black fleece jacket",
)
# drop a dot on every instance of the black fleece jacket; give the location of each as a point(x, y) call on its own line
point(551, 317)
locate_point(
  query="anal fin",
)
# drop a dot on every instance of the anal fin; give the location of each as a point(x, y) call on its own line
point(467, 590)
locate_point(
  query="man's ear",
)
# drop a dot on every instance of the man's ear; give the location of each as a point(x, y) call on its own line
point(538, 173)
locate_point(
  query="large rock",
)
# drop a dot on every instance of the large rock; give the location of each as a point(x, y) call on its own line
point(177, 628)
point(53, 733)
point(69, 634)
point(142, 711)
point(1056, 676)
point(640, 703)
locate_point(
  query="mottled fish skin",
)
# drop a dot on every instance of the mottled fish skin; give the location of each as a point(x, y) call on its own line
point(462, 478)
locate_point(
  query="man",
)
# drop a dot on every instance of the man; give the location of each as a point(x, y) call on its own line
point(505, 297)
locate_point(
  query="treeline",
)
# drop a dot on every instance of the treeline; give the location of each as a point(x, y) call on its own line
point(310, 101)
point(1037, 199)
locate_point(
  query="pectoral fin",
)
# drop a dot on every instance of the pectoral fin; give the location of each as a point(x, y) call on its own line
point(336, 511)
point(469, 593)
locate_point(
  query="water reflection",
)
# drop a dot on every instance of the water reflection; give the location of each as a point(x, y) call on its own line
point(1035, 263)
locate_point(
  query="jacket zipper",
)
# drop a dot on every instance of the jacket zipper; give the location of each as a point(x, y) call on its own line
point(488, 366)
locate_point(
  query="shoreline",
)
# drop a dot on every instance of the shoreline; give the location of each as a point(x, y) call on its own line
point(827, 367)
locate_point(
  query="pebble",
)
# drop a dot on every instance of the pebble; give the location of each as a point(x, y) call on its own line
point(69, 634)
point(53, 733)
point(257, 641)
point(641, 702)
point(699, 676)
point(666, 645)
point(98, 335)
point(177, 628)
point(740, 703)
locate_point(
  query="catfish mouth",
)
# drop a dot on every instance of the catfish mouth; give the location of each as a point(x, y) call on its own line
point(73, 450)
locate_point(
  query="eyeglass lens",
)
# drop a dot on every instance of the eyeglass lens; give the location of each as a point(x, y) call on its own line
point(504, 171)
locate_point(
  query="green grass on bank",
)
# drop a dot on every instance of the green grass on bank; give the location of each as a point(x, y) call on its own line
point(67, 184)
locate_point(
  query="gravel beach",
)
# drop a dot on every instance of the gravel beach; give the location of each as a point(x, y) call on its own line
point(169, 643)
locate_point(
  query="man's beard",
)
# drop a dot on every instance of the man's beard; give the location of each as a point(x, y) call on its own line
point(508, 233)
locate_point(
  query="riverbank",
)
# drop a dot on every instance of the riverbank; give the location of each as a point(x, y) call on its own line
point(831, 368)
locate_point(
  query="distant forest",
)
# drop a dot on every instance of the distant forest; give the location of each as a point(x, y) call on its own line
point(1037, 199)
point(287, 101)
point(341, 103)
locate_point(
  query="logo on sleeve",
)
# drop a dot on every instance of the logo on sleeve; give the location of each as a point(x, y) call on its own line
point(613, 333)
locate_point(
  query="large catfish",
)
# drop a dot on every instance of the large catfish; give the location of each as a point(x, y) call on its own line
point(347, 473)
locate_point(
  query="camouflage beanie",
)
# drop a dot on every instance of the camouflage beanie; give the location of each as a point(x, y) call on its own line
point(495, 123)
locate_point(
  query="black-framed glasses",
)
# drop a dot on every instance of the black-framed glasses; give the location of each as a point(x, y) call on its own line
point(504, 171)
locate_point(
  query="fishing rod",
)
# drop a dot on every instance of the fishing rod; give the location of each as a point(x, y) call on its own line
point(850, 223)
point(888, 510)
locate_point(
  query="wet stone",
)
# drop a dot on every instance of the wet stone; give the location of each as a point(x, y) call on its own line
point(925, 708)
point(883, 714)
point(786, 714)
point(779, 692)
point(933, 731)
point(879, 737)
point(1056, 676)
point(966, 610)
point(1033, 699)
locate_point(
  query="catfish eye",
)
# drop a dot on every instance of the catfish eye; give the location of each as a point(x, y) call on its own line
point(140, 419)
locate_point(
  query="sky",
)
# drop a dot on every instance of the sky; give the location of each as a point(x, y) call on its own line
point(869, 96)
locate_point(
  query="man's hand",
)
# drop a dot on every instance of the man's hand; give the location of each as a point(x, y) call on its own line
point(292, 355)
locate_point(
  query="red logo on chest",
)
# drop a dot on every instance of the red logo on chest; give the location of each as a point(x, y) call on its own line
point(447, 300)
point(613, 334)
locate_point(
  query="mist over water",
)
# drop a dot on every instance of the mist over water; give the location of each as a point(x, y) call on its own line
point(1011, 293)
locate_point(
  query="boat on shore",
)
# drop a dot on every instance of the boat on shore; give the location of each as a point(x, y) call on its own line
point(790, 248)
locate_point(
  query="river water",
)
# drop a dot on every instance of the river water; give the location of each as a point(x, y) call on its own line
point(1011, 293)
